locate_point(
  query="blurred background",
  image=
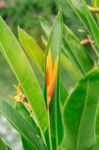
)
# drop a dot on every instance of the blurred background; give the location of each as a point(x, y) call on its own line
point(26, 14)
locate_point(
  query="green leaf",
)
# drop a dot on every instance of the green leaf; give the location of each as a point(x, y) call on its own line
point(32, 49)
point(17, 60)
point(97, 128)
point(45, 26)
point(80, 113)
point(24, 112)
point(97, 122)
point(23, 127)
point(70, 67)
point(97, 146)
point(91, 22)
point(87, 19)
point(27, 116)
point(63, 94)
point(26, 145)
point(3, 146)
point(55, 118)
point(77, 53)
point(95, 3)
point(78, 12)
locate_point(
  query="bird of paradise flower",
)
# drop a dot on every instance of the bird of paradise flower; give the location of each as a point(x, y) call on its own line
point(51, 74)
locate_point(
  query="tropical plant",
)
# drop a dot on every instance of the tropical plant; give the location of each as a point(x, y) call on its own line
point(54, 116)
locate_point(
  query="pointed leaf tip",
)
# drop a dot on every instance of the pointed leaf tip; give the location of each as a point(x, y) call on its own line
point(59, 16)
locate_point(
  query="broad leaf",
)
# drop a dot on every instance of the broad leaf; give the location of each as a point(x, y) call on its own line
point(32, 49)
point(24, 112)
point(3, 146)
point(70, 67)
point(97, 122)
point(97, 145)
point(80, 113)
point(23, 71)
point(27, 116)
point(26, 145)
point(23, 127)
point(97, 129)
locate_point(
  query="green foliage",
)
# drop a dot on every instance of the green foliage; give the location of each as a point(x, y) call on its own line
point(80, 121)
point(29, 44)
point(25, 129)
point(56, 118)
point(14, 55)
point(3, 146)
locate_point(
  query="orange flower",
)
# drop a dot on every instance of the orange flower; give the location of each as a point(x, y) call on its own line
point(51, 73)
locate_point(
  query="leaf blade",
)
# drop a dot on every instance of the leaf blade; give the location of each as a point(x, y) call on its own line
point(24, 128)
point(78, 54)
point(24, 73)
point(92, 23)
point(80, 111)
point(32, 49)
point(3, 146)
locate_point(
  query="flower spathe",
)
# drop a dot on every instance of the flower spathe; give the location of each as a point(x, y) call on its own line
point(51, 74)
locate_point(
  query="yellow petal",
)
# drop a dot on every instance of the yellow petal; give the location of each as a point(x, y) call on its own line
point(19, 92)
point(15, 98)
point(18, 89)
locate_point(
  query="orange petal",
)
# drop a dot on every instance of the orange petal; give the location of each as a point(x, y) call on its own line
point(54, 74)
point(49, 68)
